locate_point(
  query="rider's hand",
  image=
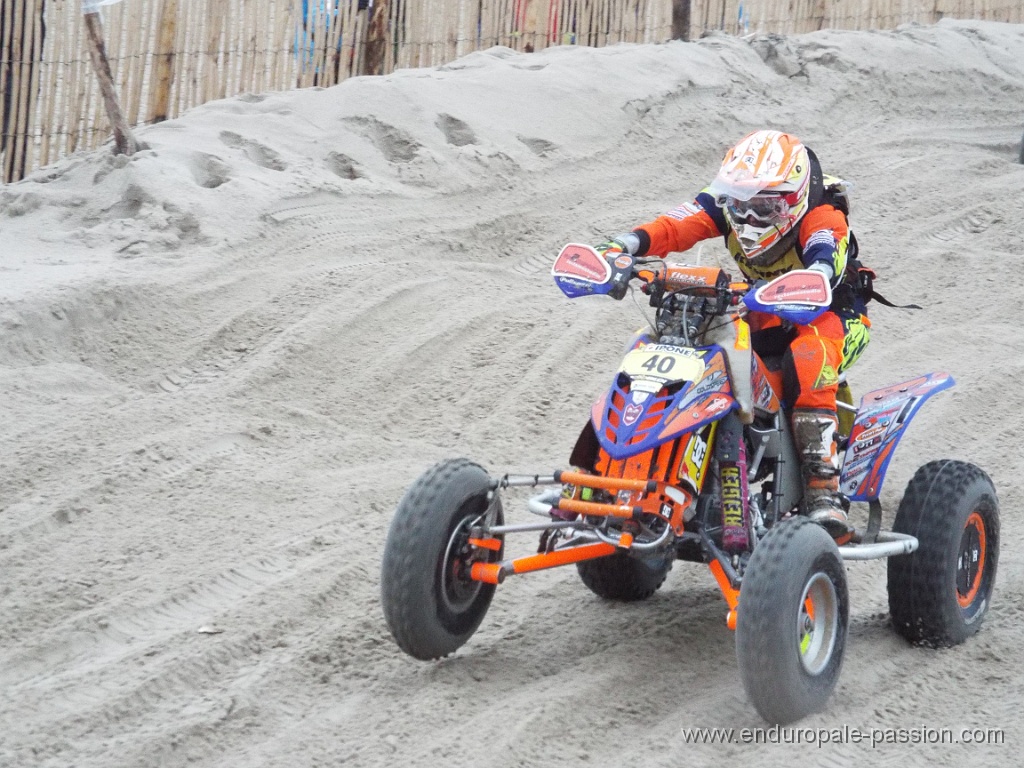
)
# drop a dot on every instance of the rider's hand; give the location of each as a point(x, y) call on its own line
point(611, 249)
point(627, 242)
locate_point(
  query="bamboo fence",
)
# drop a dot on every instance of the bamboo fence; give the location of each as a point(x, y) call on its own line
point(167, 56)
point(799, 16)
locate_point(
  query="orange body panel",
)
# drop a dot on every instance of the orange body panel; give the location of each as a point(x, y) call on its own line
point(662, 464)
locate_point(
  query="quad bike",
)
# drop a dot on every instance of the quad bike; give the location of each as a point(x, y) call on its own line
point(689, 456)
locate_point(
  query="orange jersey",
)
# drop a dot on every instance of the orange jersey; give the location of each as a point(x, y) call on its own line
point(814, 354)
point(823, 235)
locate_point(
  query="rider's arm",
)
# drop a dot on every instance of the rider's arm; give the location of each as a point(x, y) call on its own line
point(825, 238)
point(681, 228)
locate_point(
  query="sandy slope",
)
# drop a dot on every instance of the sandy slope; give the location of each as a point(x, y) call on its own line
point(223, 360)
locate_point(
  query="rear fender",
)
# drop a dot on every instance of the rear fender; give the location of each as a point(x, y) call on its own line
point(881, 421)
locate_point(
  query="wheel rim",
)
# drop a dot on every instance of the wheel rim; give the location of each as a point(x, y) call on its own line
point(817, 623)
point(458, 590)
point(970, 560)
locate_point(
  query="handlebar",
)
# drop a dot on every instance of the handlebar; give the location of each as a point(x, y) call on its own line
point(797, 296)
point(699, 282)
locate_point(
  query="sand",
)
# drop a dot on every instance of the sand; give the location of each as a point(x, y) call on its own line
point(224, 359)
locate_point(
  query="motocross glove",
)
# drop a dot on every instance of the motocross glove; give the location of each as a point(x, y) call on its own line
point(624, 243)
point(613, 249)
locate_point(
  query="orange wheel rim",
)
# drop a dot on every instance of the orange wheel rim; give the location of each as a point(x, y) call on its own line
point(971, 560)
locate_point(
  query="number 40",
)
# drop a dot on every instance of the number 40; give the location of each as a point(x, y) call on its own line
point(659, 363)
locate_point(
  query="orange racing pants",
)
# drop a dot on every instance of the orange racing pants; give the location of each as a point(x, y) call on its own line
point(810, 357)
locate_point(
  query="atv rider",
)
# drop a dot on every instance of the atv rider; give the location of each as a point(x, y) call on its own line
point(777, 213)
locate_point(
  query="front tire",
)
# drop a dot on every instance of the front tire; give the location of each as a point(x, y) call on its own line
point(430, 604)
point(792, 621)
point(939, 594)
point(621, 577)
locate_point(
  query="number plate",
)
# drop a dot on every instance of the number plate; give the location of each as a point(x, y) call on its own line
point(662, 365)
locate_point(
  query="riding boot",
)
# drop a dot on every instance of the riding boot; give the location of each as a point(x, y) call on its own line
point(814, 433)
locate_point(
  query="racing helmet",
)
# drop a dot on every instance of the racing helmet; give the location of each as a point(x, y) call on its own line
point(763, 189)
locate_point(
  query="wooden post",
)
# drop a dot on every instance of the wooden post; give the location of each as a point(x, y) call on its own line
point(938, 11)
point(211, 65)
point(55, 51)
point(377, 37)
point(6, 74)
point(245, 48)
point(14, 27)
point(26, 59)
point(124, 141)
point(819, 11)
point(27, 124)
point(681, 19)
point(163, 75)
point(530, 26)
point(281, 58)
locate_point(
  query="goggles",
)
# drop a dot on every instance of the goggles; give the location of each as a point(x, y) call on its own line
point(761, 209)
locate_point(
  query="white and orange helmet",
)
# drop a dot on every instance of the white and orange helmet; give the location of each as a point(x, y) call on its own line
point(763, 188)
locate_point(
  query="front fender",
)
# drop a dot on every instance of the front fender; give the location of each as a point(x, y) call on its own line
point(628, 422)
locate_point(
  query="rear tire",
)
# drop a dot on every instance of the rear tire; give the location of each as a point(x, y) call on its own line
point(792, 621)
point(621, 577)
point(431, 605)
point(939, 594)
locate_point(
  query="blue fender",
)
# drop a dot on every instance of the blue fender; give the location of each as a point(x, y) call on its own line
point(881, 421)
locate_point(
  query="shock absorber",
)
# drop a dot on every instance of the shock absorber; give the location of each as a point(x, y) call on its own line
point(731, 451)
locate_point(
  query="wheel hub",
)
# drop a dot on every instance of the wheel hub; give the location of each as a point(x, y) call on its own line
point(457, 590)
point(970, 562)
point(817, 623)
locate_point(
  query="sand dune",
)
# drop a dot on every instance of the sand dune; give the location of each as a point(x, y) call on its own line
point(223, 360)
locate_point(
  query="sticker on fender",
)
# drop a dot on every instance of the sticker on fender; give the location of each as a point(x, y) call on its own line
point(662, 365)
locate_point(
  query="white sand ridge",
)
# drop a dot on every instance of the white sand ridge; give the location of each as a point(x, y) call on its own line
point(224, 359)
